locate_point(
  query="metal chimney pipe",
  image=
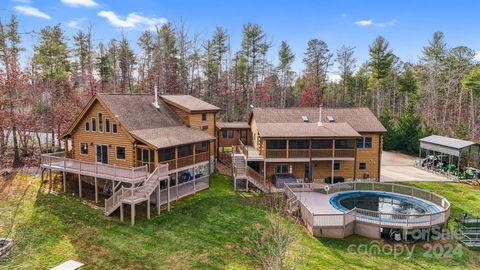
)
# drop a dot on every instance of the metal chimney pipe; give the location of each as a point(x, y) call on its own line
point(155, 104)
point(320, 116)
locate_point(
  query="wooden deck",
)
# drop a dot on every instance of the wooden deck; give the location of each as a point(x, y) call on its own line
point(56, 162)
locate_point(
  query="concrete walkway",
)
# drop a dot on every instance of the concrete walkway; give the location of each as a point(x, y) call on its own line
point(397, 167)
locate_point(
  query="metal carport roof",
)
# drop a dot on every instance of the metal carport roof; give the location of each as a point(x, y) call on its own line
point(445, 145)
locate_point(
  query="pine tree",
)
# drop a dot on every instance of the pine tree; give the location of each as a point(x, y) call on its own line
point(346, 65)
point(408, 128)
point(286, 58)
point(389, 138)
point(380, 64)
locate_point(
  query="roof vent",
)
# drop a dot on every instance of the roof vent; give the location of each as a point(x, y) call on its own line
point(330, 119)
point(305, 119)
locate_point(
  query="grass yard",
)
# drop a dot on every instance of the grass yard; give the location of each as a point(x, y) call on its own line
point(207, 231)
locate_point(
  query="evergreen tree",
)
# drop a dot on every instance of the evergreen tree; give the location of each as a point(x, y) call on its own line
point(408, 128)
point(461, 132)
point(286, 58)
point(380, 64)
point(389, 138)
point(346, 65)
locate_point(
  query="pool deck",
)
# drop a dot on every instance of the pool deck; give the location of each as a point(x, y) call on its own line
point(317, 203)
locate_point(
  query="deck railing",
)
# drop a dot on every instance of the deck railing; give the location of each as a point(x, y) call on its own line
point(258, 177)
point(185, 161)
point(58, 161)
point(372, 217)
point(344, 153)
point(322, 153)
point(276, 153)
point(298, 153)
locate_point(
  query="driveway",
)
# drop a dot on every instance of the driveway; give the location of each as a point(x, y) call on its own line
point(397, 167)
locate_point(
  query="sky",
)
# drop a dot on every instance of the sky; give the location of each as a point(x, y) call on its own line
point(406, 24)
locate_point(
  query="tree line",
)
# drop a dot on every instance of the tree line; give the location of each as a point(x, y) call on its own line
point(436, 94)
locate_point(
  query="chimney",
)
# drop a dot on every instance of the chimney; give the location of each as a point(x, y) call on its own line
point(320, 116)
point(155, 104)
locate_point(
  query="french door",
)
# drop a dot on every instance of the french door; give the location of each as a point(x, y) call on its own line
point(102, 153)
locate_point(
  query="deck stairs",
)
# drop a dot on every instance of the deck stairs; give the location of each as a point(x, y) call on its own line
point(293, 206)
point(134, 195)
point(241, 167)
point(470, 230)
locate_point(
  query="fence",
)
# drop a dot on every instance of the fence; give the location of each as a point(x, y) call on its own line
point(373, 217)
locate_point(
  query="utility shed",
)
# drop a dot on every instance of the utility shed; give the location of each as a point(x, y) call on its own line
point(445, 145)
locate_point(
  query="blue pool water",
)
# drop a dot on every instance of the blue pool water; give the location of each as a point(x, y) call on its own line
point(384, 202)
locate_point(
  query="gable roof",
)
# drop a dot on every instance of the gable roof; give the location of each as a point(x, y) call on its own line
point(189, 103)
point(159, 127)
point(302, 130)
point(136, 112)
point(360, 119)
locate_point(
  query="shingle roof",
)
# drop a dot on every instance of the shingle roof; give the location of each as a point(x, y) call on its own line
point(171, 136)
point(360, 119)
point(306, 130)
point(136, 111)
point(447, 141)
point(190, 103)
point(160, 126)
point(221, 125)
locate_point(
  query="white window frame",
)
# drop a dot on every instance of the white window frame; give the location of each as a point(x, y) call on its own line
point(81, 149)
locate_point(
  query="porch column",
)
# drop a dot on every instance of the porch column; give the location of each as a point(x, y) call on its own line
point(158, 199)
point(194, 191)
point(96, 190)
point(264, 171)
point(176, 185)
point(132, 213)
point(50, 182)
point(79, 186)
point(168, 194)
point(148, 208)
point(121, 212)
point(64, 182)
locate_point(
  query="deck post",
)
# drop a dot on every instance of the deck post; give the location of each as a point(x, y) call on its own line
point(194, 180)
point(158, 199)
point(50, 182)
point(121, 212)
point(96, 190)
point(64, 182)
point(132, 213)
point(79, 186)
point(247, 184)
point(176, 184)
point(41, 176)
point(148, 208)
point(234, 183)
point(168, 194)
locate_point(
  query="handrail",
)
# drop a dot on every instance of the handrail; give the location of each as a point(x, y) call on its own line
point(377, 217)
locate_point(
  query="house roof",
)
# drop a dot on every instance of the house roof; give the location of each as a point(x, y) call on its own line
point(447, 142)
point(189, 103)
point(306, 130)
point(171, 136)
point(360, 119)
point(221, 125)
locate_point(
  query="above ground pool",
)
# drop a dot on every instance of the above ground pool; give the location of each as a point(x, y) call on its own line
point(383, 202)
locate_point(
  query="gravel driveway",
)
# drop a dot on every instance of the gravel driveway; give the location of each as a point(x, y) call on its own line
point(397, 167)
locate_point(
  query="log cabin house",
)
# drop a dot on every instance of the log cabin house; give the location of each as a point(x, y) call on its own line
point(307, 145)
point(138, 148)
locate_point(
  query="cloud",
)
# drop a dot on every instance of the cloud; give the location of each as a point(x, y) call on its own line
point(133, 20)
point(80, 3)
point(23, 1)
point(477, 56)
point(31, 11)
point(370, 22)
point(75, 23)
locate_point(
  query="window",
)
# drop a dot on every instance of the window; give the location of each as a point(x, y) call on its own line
point(121, 152)
point(185, 150)
point(364, 142)
point(87, 126)
point(276, 144)
point(107, 125)
point(94, 124)
point(298, 144)
point(344, 144)
point(204, 117)
point(227, 134)
point(336, 166)
point(368, 142)
point(166, 154)
point(100, 122)
point(322, 144)
point(281, 169)
point(83, 149)
point(114, 128)
point(201, 147)
point(362, 166)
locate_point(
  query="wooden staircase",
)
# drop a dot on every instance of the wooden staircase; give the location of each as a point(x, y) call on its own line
point(241, 171)
point(134, 195)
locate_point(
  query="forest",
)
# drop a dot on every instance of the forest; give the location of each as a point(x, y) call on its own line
point(43, 91)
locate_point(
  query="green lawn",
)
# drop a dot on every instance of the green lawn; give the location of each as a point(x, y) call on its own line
point(207, 231)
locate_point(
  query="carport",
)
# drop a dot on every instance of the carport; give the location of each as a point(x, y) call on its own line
point(450, 151)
